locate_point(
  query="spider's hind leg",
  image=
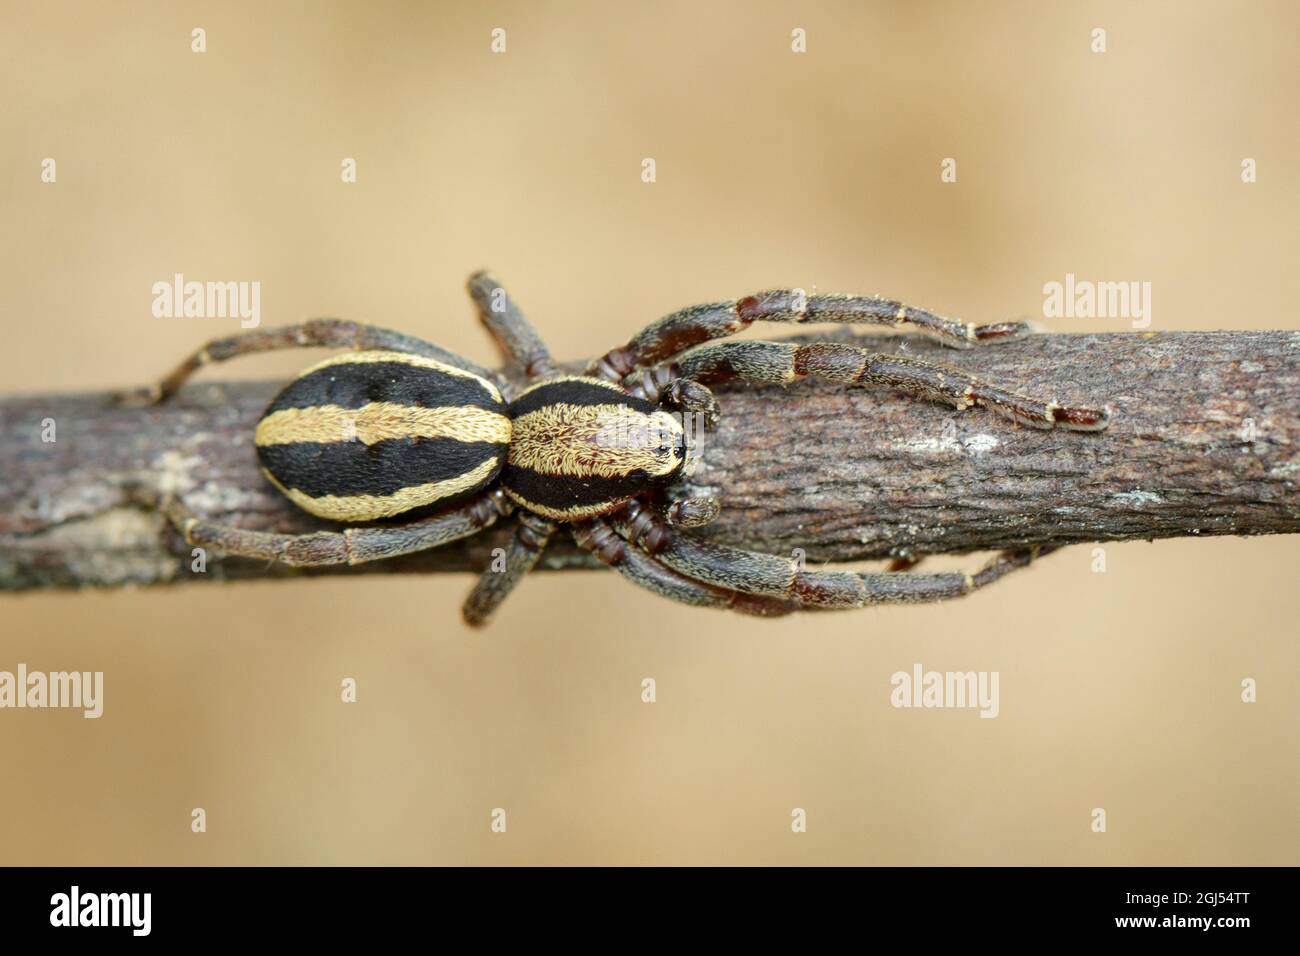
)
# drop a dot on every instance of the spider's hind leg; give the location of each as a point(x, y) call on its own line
point(320, 548)
point(779, 363)
point(530, 538)
point(314, 333)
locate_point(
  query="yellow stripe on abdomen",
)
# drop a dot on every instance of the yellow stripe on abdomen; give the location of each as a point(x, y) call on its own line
point(381, 421)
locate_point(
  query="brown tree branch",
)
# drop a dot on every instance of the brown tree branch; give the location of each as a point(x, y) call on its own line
point(1204, 440)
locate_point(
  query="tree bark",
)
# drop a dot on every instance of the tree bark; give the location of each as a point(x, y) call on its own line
point(1204, 440)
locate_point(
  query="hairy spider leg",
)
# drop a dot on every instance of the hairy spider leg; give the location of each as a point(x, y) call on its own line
point(514, 335)
point(779, 363)
point(349, 546)
point(785, 579)
point(700, 323)
point(610, 548)
point(526, 545)
point(314, 333)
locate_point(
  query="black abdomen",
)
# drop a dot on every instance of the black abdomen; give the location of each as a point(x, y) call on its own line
point(368, 435)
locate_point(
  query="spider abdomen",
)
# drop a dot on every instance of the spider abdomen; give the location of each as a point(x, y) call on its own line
point(582, 446)
point(372, 434)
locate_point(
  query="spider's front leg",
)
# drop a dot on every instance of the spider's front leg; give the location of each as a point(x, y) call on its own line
point(779, 363)
point(701, 323)
point(784, 579)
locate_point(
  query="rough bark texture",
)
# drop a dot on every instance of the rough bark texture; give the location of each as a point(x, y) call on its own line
point(1205, 440)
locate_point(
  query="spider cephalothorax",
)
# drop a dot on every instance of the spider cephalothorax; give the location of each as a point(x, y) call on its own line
point(397, 425)
point(583, 447)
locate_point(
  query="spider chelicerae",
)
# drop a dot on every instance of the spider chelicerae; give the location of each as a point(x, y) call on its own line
point(397, 425)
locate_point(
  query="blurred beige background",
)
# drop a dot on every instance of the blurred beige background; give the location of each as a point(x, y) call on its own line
point(1118, 690)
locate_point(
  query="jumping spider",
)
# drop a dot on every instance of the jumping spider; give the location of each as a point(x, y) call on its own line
point(397, 424)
